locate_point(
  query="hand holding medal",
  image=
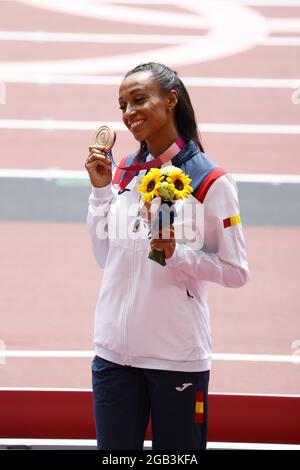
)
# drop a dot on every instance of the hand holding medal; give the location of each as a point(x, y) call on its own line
point(98, 163)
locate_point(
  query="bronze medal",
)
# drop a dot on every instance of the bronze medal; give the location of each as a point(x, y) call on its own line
point(105, 138)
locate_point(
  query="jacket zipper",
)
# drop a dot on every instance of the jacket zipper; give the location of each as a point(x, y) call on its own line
point(130, 292)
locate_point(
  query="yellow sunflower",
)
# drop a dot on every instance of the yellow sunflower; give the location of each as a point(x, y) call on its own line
point(181, 183)
point(150, 184)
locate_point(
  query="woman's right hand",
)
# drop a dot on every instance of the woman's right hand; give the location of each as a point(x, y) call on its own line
point(98, 167)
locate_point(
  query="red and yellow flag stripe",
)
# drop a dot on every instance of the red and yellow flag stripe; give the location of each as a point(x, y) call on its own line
point(199, 408)
point(234, 220)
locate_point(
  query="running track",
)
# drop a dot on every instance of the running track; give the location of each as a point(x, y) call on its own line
point(58, 81)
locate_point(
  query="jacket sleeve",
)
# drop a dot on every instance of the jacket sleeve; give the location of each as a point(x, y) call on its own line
point(222, 259)
point(99, 205)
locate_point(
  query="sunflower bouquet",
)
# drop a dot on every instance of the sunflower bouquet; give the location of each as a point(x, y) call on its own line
point(169, 184)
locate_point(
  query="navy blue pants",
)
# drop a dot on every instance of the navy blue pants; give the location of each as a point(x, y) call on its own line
point(124, 398)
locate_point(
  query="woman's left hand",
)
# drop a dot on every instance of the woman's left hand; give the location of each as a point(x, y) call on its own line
point(166, 242)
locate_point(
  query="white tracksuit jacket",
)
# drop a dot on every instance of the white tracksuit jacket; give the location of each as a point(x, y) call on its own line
point(154, 316)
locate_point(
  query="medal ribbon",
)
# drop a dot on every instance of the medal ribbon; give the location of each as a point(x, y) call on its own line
point(124, 174)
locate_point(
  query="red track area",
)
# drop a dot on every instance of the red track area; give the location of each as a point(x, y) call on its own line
point(260, 62)
point(15, 52)
point(49, 278)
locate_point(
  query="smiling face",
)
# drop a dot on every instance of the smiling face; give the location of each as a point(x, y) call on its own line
point(147, 111)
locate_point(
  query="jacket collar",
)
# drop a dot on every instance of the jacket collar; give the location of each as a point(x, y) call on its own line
point(189, 151)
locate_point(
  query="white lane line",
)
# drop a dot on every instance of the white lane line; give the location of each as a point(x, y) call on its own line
point(266, 3)
point(280, 41)
point(284, 25)
point(88, 390)
point(256, 357)
point(49, 442)
point(251, 446)
point(93, 443)
point(244, 394)
point(250, 3)
point(52, 124)
point(266, 178)
point(115, 80)
point(147, 444)
point(283, 358)
point(57, 174)
point(48, 174)
point(44, 37)
point(249, 128)
point(50, 354)
point(47, 389)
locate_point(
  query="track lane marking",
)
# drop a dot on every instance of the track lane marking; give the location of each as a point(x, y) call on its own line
point(57, 174)
point(72, 389)
point(228, 128)
point(282, 358)
point(108, 38)
point(112, 80)
point(147, 444)
point(266, 3)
